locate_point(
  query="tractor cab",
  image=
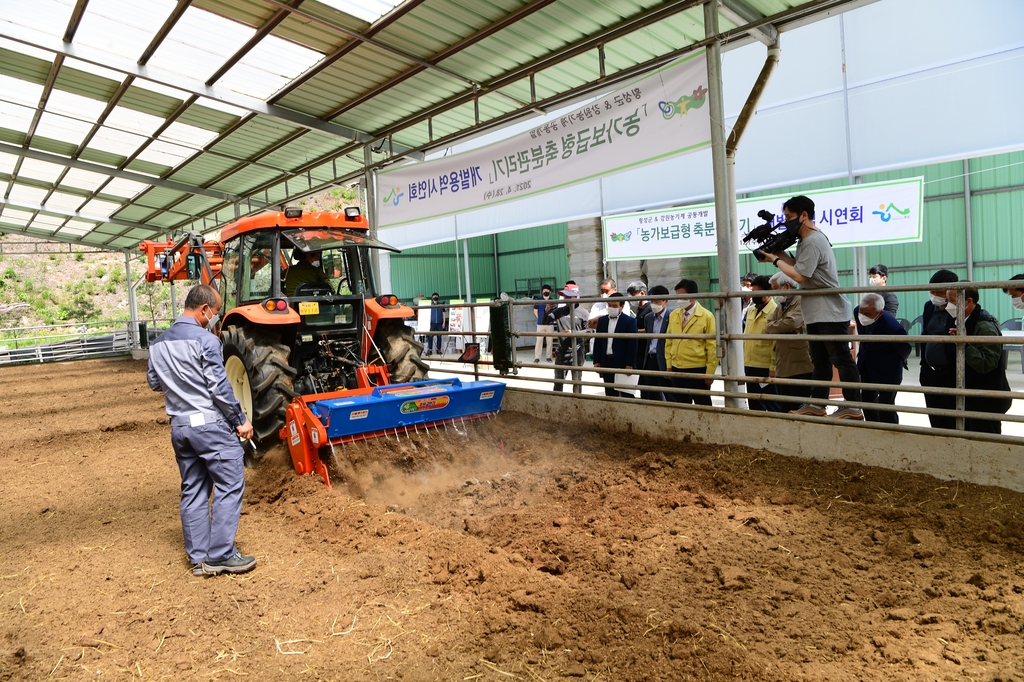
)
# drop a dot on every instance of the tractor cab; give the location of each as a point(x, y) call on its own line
point(309, 277)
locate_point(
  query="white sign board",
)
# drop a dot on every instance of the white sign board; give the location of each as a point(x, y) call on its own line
point(423, 317)
point(854, 215)
point(482, 317)
point(663, 114)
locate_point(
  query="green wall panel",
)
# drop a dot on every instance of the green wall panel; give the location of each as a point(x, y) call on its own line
point(537, 252)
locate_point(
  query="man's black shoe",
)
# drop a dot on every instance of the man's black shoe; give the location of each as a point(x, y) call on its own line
point(238, 563)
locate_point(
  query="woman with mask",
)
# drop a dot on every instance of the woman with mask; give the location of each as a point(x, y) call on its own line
point(792, 357)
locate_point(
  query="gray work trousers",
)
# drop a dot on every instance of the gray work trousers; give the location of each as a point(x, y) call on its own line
point(210, 461)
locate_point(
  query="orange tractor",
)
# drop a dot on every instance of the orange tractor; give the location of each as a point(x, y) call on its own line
point(313, 353)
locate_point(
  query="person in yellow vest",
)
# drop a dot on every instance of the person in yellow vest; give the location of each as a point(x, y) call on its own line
point(690, 356)
point(759, 356)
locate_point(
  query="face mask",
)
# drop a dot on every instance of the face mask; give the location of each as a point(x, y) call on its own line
point(211, 323)
point(434, 301)
point(951, 309)
point(937, 301)
point(865, 320)
point(685, 303)
point(875, 281)
point(745, 289)
point(657, 308)
point(613, 312)
point(605, 294)
point(1018, 303)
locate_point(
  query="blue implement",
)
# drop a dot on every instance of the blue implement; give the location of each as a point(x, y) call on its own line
point(403, 405)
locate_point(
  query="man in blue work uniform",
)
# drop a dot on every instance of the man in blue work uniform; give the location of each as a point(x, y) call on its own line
point(187, 365)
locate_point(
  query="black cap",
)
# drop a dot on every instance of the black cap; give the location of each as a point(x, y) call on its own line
point(943, 277)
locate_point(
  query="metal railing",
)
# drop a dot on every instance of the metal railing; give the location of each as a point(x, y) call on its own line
point(74, 341)
point(738, 385)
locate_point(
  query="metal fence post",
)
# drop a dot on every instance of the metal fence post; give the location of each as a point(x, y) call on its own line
point(961, 360)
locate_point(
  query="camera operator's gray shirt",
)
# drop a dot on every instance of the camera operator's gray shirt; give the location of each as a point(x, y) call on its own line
point(816, 262)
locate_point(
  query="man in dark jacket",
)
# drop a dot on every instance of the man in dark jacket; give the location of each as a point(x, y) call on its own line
point(938, 360)
point(653, 351)
point(615, 353)
point(883, 362)
point(986, 362)
point(643, 309)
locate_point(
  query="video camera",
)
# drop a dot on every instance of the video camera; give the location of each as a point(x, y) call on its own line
point(768, 237)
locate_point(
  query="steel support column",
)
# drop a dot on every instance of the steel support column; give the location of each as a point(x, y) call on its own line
point(370, 183)
point(174, 301)
point(497, 269)
point(728, 254)
point(968, 230)
point(133, 307)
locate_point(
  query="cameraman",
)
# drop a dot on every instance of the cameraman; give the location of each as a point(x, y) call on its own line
point(815, 268)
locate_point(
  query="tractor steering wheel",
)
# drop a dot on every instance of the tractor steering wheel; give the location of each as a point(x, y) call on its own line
point(313, 289)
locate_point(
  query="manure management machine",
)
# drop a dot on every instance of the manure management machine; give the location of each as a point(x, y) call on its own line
point(313, 353)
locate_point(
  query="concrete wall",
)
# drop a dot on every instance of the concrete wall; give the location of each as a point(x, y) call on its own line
point(949, 458)
point(586, 264)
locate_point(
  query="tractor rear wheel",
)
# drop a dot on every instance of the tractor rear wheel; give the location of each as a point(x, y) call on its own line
point(401, 351)
point(257, 367)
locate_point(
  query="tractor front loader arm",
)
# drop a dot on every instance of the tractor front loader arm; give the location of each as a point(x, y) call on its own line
point(191, 257)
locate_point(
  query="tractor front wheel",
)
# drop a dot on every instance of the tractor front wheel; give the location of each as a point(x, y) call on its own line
point(401, 351)
point(261, 378)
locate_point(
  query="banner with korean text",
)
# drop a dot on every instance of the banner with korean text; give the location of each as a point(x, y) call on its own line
point(855, 215)
point(663, 114)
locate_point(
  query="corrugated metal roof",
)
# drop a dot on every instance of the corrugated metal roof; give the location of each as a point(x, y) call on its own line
point(234, 93)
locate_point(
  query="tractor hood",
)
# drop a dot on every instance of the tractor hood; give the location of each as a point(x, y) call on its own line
point(325, 238)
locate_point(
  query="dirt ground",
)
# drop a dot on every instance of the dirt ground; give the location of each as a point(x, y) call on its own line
point(521, 550)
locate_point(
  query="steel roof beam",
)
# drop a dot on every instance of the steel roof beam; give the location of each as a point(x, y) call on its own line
point(23, 206)
point(232, 128)
point(451, 50)
point(256, 106)
point(355, 35)
point(739, 13)
point(160, 35)
point(17, 229)
point(375, 28)
point(261, 33)
point(116, 172)
point(75, 20)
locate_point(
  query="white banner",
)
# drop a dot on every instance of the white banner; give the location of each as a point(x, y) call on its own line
point(661, 115)
point(854, 215)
